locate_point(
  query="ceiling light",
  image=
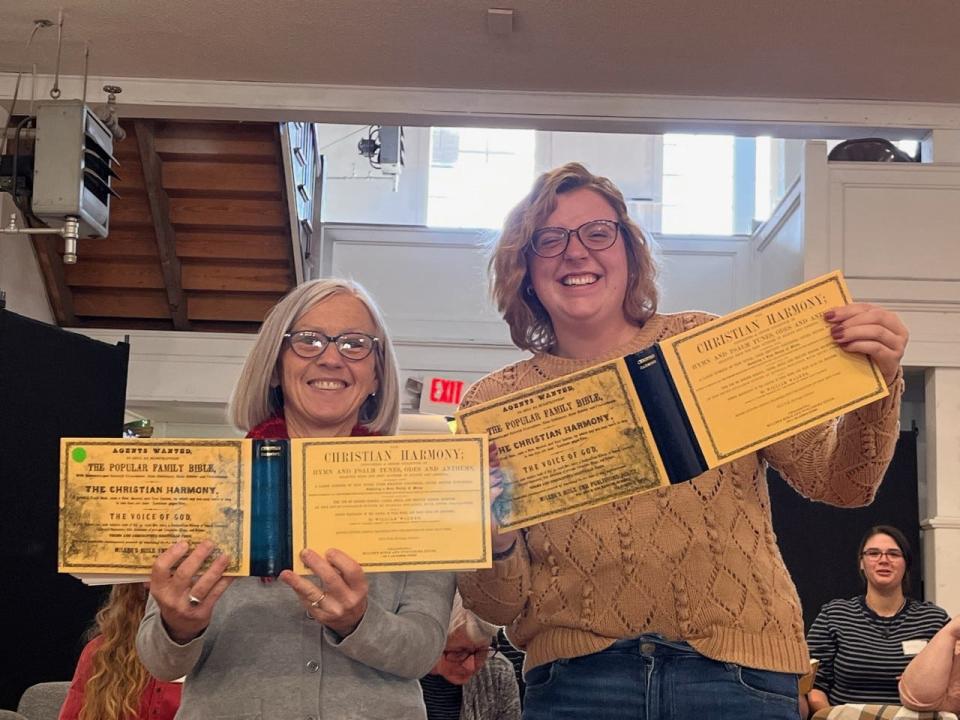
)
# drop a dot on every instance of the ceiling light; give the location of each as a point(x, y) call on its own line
point(499, 21)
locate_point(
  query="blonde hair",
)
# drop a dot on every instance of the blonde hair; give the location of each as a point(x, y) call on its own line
point(477, 630)
point(257, 395)
point(530, 324)
point(117, 677)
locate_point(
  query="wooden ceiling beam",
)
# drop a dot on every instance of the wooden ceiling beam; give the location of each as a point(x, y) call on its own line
point(251, 215)
point(121, 303)
point(51, 267)
point(133, 273)
point(235, 307)
point(261, 277)
point(233, 245)
point(122, 244)
point(163, 227)
point(215, 176)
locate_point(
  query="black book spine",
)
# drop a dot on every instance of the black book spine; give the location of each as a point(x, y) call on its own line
point(270, 531)
point(668, 420)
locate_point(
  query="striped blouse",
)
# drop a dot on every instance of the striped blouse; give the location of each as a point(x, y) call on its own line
point(862, 654)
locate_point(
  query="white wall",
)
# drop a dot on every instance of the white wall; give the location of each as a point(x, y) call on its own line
point(786, 162)
point(633, 162)
point(355, 192)
point(703, 273)
point(777, 246)
point(941, 511)
point(20, 274)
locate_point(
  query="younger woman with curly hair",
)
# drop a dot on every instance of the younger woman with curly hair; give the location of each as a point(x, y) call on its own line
point(110, 682)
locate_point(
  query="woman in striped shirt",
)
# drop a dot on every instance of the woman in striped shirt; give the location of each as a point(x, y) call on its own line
point(864, 643)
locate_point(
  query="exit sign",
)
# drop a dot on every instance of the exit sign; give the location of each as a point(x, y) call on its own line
point(441, 395)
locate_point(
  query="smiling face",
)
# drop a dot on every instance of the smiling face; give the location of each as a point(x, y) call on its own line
point(582, 287)
point(884, 573)
point(322, 395)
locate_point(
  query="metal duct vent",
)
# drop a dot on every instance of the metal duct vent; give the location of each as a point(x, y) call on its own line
point(72, 168)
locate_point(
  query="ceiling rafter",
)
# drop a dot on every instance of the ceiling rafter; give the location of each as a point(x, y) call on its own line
point(163, 228)
point(198, 236)
point(51, 267)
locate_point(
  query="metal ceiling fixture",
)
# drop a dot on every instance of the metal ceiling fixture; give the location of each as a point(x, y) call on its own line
point(61, 167)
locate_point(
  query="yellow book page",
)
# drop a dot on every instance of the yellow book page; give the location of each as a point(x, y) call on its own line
point(413, 502)
point(123, 502)
point(568, 445)
point(769, 371)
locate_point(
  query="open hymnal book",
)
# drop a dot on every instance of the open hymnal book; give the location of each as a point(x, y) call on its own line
point(398, 503)
point(670, 412)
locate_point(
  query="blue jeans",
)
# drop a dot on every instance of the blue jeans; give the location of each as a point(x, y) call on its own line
point(649, 678)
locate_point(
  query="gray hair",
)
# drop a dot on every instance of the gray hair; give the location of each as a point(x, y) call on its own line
point(477, 630)
point(255, 397)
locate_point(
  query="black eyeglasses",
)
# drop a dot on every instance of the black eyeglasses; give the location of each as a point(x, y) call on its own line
point(876, 553)
point(480, 655)
point(351, 345)
point(595, 235)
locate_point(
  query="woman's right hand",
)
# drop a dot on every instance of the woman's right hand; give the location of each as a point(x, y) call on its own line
point(186, 601)
point(500, 542)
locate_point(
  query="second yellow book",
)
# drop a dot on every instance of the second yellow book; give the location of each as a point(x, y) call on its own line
point(400, 503)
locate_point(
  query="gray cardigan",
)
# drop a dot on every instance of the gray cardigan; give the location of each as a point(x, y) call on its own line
point(492, 694)
point(263, 658)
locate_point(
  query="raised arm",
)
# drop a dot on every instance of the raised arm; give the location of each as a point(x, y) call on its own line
point(497, 595)
point(925, 682)
point(179, 609)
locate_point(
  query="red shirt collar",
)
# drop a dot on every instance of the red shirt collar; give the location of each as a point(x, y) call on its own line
point(275, 428)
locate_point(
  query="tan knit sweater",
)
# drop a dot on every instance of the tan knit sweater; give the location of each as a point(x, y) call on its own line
point(697, 561)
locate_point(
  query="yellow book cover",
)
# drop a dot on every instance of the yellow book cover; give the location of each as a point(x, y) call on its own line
point(670, 412)
point(410, 503)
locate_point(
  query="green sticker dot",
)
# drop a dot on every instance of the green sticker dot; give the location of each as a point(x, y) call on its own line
point(79, 454)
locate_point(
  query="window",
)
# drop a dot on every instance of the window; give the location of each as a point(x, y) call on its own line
point(763, 193)
point(910, 147)
point(698, 184)
point(715, 184)
point(477, 175)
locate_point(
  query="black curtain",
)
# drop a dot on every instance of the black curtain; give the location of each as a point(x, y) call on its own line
point(819, 542)
point(53, 383)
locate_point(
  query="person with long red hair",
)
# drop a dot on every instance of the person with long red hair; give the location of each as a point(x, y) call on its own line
point(110, 682)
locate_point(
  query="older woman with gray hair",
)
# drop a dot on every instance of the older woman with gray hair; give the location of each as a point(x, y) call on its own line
point(338, 643)
point(471, 680)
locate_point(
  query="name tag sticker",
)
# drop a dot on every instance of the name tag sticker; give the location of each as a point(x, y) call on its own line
point(912, 647)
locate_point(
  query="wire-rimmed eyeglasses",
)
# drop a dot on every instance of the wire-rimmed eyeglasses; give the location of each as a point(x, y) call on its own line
point(479, 655)
point(595, 235)
point(875, 554)
point(351, 345)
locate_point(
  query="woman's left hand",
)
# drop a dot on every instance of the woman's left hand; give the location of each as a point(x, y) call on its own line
point(341, 599)
point(873, 331)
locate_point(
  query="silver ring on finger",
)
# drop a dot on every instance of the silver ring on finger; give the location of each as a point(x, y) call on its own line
point(316, 603)
point(193, 600)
